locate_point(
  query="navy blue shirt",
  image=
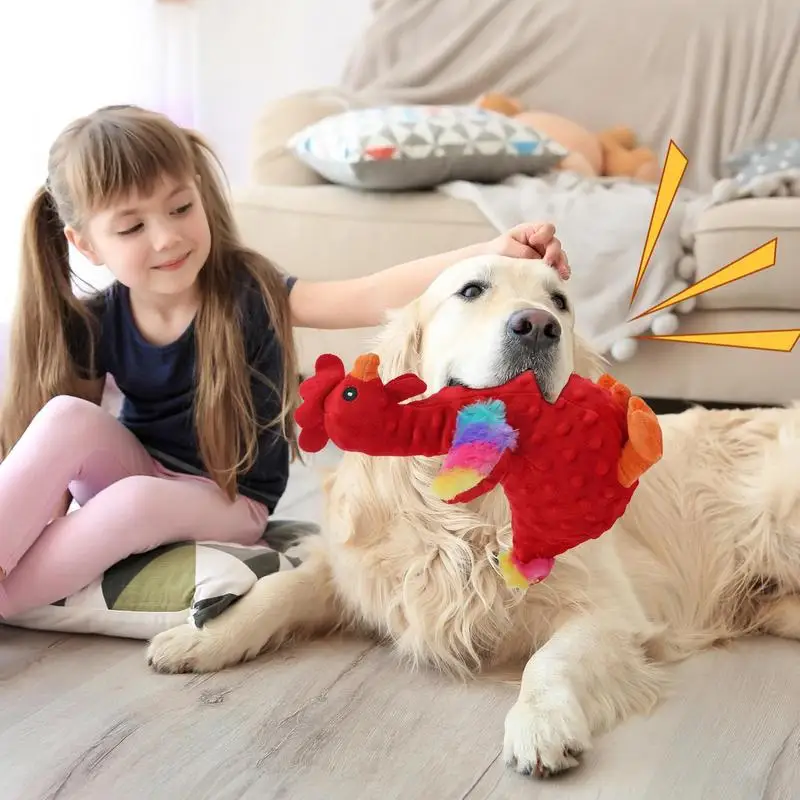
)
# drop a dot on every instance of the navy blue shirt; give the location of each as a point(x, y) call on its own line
point(158, 386)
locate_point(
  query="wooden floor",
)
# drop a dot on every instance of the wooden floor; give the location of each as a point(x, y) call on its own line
point(85, 719)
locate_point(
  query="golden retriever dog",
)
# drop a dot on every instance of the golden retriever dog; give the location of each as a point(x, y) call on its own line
point(708, 549)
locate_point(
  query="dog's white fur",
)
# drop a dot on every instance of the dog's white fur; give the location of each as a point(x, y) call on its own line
point(708, 550)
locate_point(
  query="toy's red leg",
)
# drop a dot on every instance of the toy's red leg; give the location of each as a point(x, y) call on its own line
point(644, 446)
point(619, 391)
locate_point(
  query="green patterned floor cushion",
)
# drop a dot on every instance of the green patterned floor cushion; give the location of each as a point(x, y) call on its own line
point(183, 582)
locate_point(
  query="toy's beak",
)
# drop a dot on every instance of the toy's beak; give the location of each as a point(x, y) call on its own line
point(366, 367)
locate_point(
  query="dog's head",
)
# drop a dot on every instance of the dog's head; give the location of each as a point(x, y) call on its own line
point(483, 322)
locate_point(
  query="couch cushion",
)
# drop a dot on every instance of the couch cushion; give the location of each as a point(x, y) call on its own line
point(709, 373)
point(731, 230)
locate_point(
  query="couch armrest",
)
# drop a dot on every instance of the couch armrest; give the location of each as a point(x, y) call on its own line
point(728, 231)
point(272, 162)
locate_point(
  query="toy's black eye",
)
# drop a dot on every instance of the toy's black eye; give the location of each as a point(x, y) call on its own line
point(472, 290)
point(559, 301)
point(350, 393)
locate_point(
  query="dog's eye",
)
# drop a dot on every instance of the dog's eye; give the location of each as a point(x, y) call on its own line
point(471, 290)
point(559, 301)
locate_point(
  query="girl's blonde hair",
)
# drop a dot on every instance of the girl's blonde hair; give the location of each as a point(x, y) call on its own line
point(100, 159)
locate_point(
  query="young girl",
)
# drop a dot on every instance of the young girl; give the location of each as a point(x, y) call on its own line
point(196, 331)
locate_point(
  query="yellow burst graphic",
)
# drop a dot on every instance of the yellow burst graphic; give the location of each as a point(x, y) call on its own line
point(763, 257)
point(672, 172)
point(781, 341)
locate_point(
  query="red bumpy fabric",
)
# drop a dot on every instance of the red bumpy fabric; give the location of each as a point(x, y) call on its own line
point(570, 476)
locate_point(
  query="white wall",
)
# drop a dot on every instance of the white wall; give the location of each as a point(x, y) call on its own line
point(254, 51)
point(226, 58)
point(60, 60)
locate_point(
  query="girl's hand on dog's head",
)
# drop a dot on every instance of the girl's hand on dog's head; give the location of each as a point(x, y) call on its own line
point(533, 240)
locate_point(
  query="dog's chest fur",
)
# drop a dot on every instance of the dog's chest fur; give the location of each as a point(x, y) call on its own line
point(423, 573)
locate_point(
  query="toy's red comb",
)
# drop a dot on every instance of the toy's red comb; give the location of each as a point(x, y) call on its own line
point(314, 390)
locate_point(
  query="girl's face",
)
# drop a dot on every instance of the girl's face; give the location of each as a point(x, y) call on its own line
point(155, 244)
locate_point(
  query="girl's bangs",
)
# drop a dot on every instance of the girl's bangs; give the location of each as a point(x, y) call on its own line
point(113, 160)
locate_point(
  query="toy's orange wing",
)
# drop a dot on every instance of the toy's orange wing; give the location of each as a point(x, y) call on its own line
point(645, 444)
point(619, 391)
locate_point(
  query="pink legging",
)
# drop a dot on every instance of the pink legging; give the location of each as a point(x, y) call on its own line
point(129, 503)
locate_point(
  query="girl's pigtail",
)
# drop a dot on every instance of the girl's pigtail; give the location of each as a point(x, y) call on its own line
point(40, 365)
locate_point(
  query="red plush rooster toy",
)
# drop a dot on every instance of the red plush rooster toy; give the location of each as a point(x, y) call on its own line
point(568, 468)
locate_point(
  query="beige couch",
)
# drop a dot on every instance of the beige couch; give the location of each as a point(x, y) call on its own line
point(714, 78)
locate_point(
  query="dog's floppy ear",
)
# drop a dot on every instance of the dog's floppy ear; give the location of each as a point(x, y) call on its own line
point(399, 342)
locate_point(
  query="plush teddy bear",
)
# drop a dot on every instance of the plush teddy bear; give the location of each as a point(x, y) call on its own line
point(613, 152)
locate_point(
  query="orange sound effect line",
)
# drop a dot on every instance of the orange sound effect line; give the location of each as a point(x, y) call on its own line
point(780, 341)
point(761, 258)
point(675, 164)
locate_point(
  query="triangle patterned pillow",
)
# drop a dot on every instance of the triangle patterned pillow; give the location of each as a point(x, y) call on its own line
point(406, 147)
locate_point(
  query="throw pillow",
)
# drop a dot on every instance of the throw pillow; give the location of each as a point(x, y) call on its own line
point(765, 157)
point(768, 169)
point(405, 147)
point(150, 592)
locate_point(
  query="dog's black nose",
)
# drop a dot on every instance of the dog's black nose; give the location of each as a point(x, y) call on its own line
point(535, 326)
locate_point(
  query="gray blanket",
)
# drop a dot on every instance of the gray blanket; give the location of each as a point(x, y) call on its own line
point(603, 225)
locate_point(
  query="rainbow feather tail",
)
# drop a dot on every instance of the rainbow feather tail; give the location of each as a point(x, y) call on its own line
point(481, 438)
point(518, 575)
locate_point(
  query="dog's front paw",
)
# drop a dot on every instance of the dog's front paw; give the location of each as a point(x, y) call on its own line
point(187, 649)
point(543, 738)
